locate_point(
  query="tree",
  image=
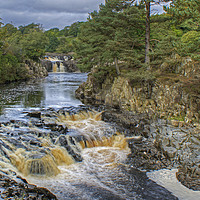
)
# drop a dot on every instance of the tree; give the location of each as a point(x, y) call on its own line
point(112, 34)
point(184, 9)
point(10, 68)
point(148, 22)
point(52, 43)
point(74, 29)
point(33, 45)
point(186, 15)
point(30, 27)
point(147, 35)
point(11, 29)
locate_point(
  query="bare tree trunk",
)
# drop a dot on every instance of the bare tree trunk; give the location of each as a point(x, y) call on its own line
point(116, 66)
point(147, 36)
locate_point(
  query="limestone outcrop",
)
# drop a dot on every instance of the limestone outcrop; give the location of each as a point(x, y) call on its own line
point(35, 69)
point(169, 97)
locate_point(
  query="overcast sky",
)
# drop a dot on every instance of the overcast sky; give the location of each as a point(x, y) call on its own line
point(49, 13)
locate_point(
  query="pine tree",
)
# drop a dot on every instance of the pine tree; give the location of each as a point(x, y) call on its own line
point(147, 35)
point(184, 9)
point(113, 34)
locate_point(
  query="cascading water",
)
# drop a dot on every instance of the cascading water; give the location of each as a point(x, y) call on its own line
point(57, 63)
point(57, 143)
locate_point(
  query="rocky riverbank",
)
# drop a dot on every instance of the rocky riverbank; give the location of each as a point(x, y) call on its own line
point(35, 70)
point(163, 145)
point(164, 111)
point(18, 188)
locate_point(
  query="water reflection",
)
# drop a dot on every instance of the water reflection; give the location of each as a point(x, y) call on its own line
point(56, 90)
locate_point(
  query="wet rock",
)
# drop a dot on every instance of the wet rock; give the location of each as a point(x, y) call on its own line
point(188, 181)
point(71, 146)
point(170, 152)
point(175, 123)
point(35, 69)
point(36, 114)
point(147, 157)
point(16, 189)
point(165, 145)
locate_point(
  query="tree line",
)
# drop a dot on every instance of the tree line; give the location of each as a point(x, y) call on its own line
point(31, 42)
point(123, 36)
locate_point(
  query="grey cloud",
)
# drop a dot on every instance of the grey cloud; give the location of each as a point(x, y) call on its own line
point(50, 13)
point(74, 6)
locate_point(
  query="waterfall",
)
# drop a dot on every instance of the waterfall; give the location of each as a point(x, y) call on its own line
point(56, 63)
point(62, 67)
point(54, 66)
point(59, 63)
point(41, 153)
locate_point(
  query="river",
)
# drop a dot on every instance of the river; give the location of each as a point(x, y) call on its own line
point(56, 90)
point(98, 173)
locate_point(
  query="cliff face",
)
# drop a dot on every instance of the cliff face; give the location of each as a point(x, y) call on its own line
point(165, 98)
point(35, 70)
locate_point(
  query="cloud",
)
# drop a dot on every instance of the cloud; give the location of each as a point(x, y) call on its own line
point(49, 13)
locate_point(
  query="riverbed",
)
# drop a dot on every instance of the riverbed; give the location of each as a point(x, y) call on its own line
point(44, 107)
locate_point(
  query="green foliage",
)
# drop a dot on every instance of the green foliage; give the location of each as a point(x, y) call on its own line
point(10, 69)
point(61, 41)
point(52, 44)
point(30, 27)
point(17, 45)
point(33, 45)
point(136, 76)
point(74, 29)
point(114, 33)
point(190, 45)
point(164, 38)
point(101, 73)
point(65, 45)
point(184, 9)
point(189, 25)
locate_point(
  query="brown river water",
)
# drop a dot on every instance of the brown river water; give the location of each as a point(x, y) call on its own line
point(92, 164)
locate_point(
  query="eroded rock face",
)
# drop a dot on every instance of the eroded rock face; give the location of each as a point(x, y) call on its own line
point(181, 146)
point(35, 70)
point(164, 100)
point(163, 145)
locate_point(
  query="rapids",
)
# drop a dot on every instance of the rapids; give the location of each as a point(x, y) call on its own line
point(52, 140)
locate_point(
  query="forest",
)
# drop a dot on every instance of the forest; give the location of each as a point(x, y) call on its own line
point(122, 37)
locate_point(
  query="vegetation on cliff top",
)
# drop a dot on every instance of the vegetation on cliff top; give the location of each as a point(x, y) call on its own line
point(115, 36)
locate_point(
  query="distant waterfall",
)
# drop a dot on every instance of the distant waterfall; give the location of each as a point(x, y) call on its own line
point(57, 66)
point(62, 67)
point(54, 66)
point(59, 63)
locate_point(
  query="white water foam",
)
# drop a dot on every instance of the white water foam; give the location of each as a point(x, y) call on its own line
point(167, 178)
